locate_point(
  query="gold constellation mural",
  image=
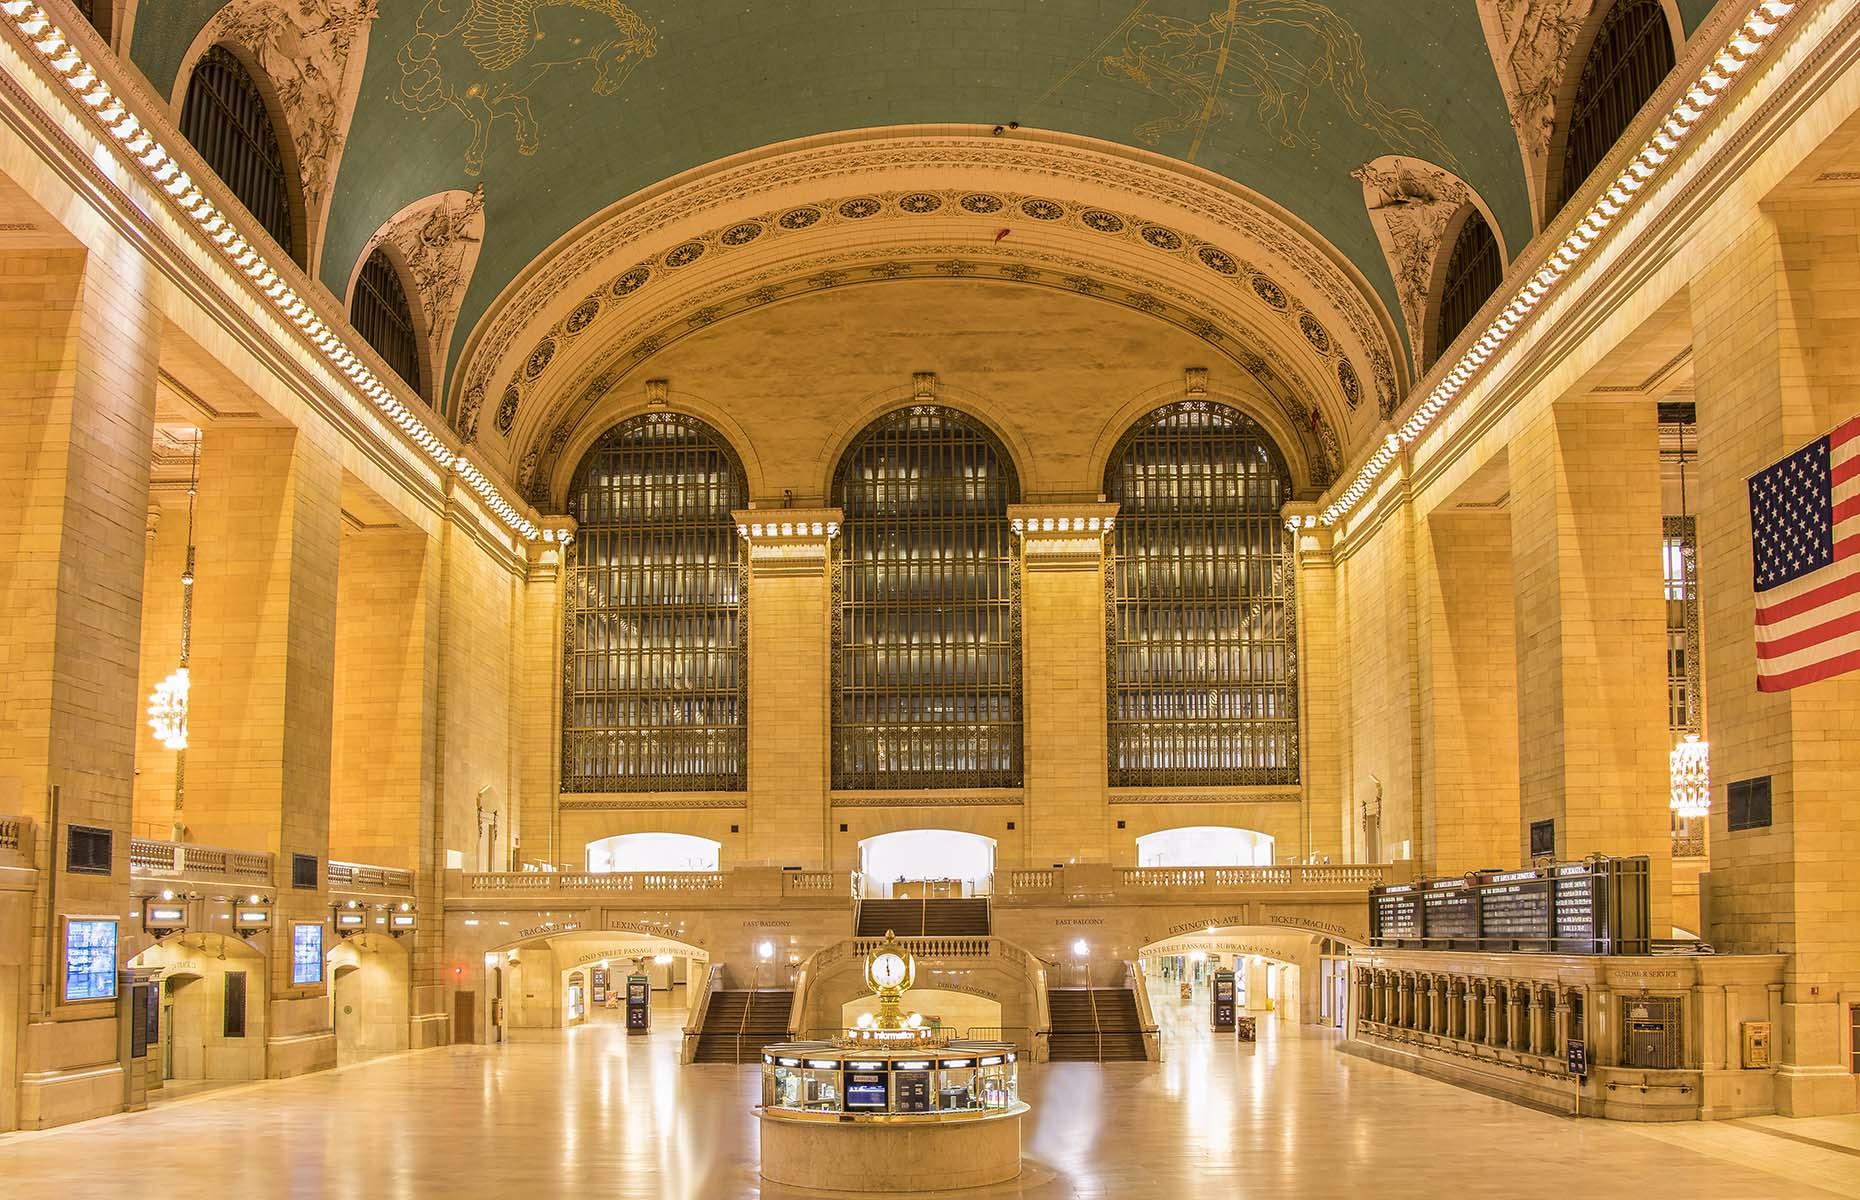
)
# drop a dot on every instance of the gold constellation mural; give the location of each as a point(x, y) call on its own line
point(1273, 56)
point(483, 58)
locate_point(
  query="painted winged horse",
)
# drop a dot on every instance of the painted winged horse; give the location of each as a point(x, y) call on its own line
point(482, 57)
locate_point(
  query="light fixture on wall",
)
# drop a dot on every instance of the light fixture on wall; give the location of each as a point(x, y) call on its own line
point(1691, 771)
point(168, 703)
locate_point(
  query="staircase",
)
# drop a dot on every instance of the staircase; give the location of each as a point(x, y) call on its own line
point(737, 1024)
point(1094, 1025)
point(923, 918)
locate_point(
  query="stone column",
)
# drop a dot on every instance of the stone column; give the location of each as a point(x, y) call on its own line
point(1469, 690)
point(1440, 1004)
point(1777, 362)
point(1062, 666)
point(790, 680)
point(263, 667)
point(1320, 690)
point(539, 746)
point(1591, 634)
point(79, 344)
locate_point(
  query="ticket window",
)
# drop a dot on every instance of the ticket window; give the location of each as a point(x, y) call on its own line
point(957, 1090)
point(997, 1084)
point(820, 1089)
point(911, 1091)
point(1653, 1032)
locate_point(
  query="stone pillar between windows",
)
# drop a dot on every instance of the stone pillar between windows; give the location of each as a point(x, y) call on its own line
point(540, 683)
point(1062, 606)
point(790, 609)
point(1320, 692)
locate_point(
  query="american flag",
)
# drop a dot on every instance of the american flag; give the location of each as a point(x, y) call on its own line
point(1805, 526)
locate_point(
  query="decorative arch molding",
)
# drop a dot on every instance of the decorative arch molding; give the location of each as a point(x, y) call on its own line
point(434, 244)
point(1537, 48)
point(1312, 458)
point(1417, 209)
point(307, 57)
point(1046, 209)
point(653, 395)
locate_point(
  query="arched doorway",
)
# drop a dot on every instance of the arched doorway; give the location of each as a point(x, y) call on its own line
point(1278, 976)
point(958, 1013)
point(213, 1010)
point(943, 862)
point(1205, 846)
point(652, 852)
point(544, 985)
point(368, 997)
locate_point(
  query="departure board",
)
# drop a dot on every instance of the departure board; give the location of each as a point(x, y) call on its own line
point(1397, 913)
point(1597, 906)
point(1516, 911)
point(1451, 912)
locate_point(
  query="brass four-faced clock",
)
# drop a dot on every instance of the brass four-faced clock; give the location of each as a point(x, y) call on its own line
point(889, 971)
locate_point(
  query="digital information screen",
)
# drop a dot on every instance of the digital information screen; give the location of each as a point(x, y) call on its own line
point(307, 954)
point(1452, 914)
point(1397, 912)
point(90, 959)
point(1570, 908)
point(865, 1090)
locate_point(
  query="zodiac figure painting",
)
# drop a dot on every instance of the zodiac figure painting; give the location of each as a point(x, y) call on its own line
point(1271, 54)
point(483, 57)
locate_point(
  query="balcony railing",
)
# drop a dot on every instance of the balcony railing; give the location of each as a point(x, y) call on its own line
point(364, 877)
point(1040, 884)
point(508, 883)
point(174, 860)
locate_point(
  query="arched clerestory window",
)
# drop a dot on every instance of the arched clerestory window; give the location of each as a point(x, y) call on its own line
point(926, 621)
point(1201, 665)
point(99, 13)
point(380, 313)
point(655, 654)
point(1631, 54)
point(226, 119)
point(1474, 269)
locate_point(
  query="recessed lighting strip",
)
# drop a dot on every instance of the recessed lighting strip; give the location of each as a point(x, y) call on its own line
point(1743, 47)
point(138, 144)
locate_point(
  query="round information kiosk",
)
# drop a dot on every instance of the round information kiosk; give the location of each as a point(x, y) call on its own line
point(889, 1107)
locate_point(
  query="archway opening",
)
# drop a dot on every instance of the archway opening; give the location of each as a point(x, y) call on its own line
point(960, 1014)
point(1278, 979)
point(368, 997)
point(927, 862)
point(211, 1027)
point(653, 852)
point(1205, 846)
point(538, 988)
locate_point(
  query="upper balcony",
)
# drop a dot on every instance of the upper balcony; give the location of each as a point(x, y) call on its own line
point(167, 863)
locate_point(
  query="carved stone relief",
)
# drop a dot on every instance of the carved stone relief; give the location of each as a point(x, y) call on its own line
point(436, 240)
point(312, 52)
point(1531, 42)
point(1411, 203)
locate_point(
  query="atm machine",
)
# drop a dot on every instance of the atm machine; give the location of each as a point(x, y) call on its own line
point(638, 1004)
point(1223, 998)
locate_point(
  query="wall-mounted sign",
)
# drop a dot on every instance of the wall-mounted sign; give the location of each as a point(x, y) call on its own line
point(90, 959)
point(252, 918)
point(164, 915)
point(307, 953)
point(351, 919)
point(1597, 906)
point(403, 920)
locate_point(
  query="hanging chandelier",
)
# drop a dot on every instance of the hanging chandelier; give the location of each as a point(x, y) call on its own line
point(168, 710)
point(168, 702)
point(1691, 772)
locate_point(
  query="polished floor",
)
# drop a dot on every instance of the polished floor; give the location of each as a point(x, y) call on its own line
point(598, 1115)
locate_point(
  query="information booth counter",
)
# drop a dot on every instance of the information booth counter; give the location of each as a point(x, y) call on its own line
point(908, 1118)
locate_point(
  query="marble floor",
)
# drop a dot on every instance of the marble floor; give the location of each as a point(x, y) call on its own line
point(595, 1114)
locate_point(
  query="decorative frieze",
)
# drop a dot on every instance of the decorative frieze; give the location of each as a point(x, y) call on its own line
point(788, 540)
point(1055, 536)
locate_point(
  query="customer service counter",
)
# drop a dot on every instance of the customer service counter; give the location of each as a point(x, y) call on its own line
point(904, 1117)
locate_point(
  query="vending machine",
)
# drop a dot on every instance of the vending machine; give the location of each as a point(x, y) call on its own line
point(638, 1004)
point(1223, 1001)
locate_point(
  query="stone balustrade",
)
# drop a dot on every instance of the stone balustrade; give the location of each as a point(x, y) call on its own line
point(365, 877)
point(1139, 883)
point(153, 859)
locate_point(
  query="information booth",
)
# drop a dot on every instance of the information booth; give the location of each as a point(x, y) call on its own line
point(890, 1107)
point(1223, 1001)
point(638, 1004)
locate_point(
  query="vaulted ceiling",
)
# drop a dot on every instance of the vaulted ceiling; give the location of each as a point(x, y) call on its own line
point(560, 108)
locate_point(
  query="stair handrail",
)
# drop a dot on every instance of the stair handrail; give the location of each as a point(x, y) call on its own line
point(742, 1026)
point(1146, 1012)
point(695, 1008)
point(1091, 997)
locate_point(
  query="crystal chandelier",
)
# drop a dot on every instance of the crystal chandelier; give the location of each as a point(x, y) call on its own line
point(1691, 771)
point(168, 702)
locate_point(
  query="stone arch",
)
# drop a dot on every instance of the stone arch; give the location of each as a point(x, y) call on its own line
point(1301, 451)
point(970, 404)
point(620, 405)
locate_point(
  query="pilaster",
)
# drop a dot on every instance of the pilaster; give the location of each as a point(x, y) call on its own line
point(1062, 608)
point(1320, 690)
point(539, 748)
point(790, 680)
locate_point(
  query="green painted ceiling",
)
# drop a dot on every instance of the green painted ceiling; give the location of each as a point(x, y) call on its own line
point(1307, 91)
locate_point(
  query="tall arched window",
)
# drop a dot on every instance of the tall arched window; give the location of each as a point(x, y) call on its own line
point(98, 13)
point(1632, 53)
point(380, 313)
point(654, 677)
point(926, 628)
point(1202, 660)
point(225, 118)
point(1474, 270)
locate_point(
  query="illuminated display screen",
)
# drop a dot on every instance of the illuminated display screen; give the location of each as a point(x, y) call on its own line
point(306, 954)
point(90, 960)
